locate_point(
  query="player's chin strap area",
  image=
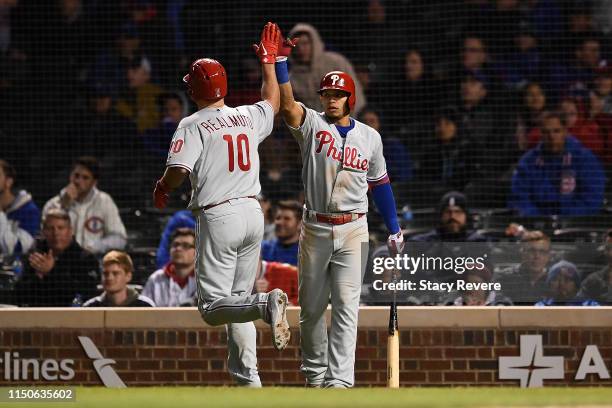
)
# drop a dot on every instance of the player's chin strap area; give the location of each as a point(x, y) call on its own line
point(331, 218)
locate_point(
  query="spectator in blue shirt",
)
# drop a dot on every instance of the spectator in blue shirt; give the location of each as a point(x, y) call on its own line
point(288, 223)
point(180, 219)
point(19, 216)
point(559, 176)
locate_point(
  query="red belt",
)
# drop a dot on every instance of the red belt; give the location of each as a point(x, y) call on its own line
point(338, 219)
point(208, 207)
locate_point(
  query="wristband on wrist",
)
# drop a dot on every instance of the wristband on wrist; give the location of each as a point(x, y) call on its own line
point(282, 72)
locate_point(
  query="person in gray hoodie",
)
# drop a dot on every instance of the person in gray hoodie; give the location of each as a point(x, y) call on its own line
point(309, 62)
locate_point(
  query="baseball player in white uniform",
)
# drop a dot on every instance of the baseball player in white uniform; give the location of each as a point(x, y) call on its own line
point(342, 158)
point(217, 147)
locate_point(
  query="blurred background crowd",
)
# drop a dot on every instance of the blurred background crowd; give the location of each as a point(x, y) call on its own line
point(507, 103)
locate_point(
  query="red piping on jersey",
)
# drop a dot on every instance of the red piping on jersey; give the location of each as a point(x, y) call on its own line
point(383, 180)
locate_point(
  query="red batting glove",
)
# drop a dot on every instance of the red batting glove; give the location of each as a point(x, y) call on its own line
point(395, 243)
point(285, 45)
point(161, 194)
point(268, 46)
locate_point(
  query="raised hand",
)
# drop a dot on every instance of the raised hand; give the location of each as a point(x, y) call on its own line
point(285, 45)
point(267, 48)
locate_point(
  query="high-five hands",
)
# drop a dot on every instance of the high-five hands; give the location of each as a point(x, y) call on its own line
point(267, 49)
point(285, 46)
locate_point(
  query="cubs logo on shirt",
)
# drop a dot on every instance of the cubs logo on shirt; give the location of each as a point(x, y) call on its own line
point(95, 225)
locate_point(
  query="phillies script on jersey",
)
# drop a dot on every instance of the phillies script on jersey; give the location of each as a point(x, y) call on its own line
point(351, 154)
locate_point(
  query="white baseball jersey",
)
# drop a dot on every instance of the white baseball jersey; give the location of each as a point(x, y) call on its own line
point(219, 148)
point(165, 292)
point(336, 170)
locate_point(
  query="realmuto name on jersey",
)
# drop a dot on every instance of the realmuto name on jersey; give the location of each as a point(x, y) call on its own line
point(229, 121)
point(351, 157)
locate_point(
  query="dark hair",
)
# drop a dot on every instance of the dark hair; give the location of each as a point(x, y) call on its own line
point(182, 232)
point(367, 109)
point(90, 163)
point(8, 169)
point(554, 115)
point(447, 112)
point(161, 99)
point(292, 205)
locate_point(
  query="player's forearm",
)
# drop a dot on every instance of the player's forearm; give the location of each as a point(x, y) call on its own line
point(291, 111)
point(385, 202)
point(174, 176)
point(269, 87)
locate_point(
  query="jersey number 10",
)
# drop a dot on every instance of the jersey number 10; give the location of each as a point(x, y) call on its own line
point(242, 142)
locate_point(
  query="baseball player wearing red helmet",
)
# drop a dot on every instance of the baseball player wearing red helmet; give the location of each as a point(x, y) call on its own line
point(342, 159)
point(217, 148)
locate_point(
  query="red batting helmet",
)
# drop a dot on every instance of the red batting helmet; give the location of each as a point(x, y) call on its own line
point(206, 80)
point(341, 81)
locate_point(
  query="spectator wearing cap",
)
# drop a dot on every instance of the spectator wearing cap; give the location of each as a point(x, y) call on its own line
point(95, 217)
point(598, 285)
point(525, 283)
point(57, 268)
point(477, 297)
point(175, 284)
point(454, 213)
point(19, 215)
point(449, 160)
point(138, 102)
point(116, 274)
point(558, 177)
point(288, 224)
point(563, 281)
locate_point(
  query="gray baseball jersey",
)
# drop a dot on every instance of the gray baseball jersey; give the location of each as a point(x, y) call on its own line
point(332, 258)
point(336, 170)
point(219, 148)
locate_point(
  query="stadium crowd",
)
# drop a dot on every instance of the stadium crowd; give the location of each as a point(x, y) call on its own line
point(505, 104)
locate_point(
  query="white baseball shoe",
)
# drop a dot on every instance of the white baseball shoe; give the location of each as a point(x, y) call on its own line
point(277, 308)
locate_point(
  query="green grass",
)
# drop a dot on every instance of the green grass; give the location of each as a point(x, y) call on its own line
point(209, 397)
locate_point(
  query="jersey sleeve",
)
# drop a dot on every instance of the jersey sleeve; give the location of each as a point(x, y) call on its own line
point(262, 114)
point(301, 132)
point(185, 148)
point(377, 171)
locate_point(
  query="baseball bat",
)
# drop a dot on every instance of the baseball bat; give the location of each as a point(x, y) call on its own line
point(393, 346)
